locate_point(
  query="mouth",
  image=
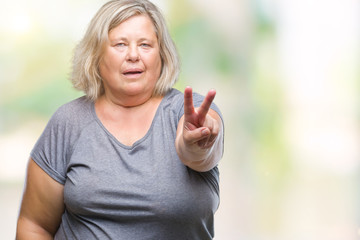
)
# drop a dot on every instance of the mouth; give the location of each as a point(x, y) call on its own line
point(132, 73)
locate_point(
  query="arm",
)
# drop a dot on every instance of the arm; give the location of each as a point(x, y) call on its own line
point(199, 134)
point(42, 205)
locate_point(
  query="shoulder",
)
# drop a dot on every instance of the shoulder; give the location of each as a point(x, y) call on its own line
point(52, 150)
point(73, 112)
point(173, 102)
point(78, 105)
point(174, 95)
point(173, 99)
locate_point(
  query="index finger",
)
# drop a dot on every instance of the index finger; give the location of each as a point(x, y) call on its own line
point(205, 106)
point(188, 102)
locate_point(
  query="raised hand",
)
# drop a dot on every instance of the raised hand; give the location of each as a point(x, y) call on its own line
point(200, 129)
point(199, 134)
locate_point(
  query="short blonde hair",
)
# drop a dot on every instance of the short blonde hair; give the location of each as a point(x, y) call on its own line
point(85, 74)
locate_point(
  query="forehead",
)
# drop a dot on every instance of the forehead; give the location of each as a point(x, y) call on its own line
point(137, 25)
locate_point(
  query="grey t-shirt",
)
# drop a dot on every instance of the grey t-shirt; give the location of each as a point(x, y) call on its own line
point(114, 191)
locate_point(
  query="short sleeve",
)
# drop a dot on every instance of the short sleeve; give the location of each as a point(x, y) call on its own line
point(51, 149)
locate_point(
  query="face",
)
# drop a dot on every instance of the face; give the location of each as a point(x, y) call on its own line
point(131, 63)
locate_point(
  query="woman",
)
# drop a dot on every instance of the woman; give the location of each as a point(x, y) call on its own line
point(133, 159)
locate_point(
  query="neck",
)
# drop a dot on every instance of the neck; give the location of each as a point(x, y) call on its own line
point(114, 108)
point(128, 102)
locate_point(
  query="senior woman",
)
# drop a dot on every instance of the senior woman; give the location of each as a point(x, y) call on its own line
point(133, 158)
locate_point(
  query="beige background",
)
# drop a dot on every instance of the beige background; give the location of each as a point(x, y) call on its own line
point(287, 77)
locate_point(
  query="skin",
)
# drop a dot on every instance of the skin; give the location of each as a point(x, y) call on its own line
point(130, 67)
point(198, 139)
point(42, 205)
point(131, 62)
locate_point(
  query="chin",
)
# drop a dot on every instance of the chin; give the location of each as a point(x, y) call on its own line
point(137, 91)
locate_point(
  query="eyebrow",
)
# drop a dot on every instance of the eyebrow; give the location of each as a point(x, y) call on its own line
point(118, 39)
point(125, 39)
point(145, 39)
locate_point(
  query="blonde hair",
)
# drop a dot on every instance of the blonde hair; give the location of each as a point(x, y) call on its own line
point(87, 55)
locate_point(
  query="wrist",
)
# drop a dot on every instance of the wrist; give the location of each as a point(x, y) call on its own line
point(192, 154)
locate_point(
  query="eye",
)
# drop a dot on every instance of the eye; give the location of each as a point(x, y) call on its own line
point(120, 45)
point(145, 45)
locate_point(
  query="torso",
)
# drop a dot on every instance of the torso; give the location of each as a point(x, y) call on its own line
point(141, 191)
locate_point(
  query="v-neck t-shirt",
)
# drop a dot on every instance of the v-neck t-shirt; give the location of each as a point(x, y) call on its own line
point(115, 191)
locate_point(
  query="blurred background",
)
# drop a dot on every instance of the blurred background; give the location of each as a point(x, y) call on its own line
point(287, 79)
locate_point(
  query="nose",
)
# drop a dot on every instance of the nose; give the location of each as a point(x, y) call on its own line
point(133, 54)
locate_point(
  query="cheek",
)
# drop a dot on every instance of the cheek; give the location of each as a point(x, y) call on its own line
point(111, 59)
point(158, 65)
point(108, 66)
point(104, 63)
point(102, 69)
point(152, 64)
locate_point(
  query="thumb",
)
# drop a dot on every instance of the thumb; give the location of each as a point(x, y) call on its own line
point(192, 135)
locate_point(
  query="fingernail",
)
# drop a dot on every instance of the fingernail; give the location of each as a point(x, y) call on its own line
point(205, 132)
